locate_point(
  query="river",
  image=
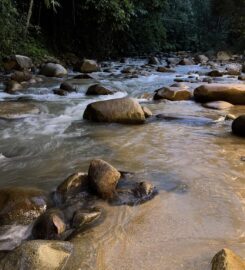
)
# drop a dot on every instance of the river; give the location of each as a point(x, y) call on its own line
point(195, 162)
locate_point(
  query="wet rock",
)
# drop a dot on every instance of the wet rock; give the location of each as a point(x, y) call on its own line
point(128, 70)
point(243, 68)
point(38, 254)
point(223, 56)
point(186, 62)
point(21, 76)
point(153, 61)
point(165, 69)
point(50, 225)
point(67, 87)
point(241, 78)
point(14, 110)
point(123, 110)
point(207, 80)
point(230, 117)
point(12, 86)
point(227, 260)
point(89, 66)
point(233, 93)
point(60, 92)
point(238, 126)
point(17, 62)
point(233, 69)
point(53, 70)
point(218, 105)
point(99, 89)
point(84, 217)
point(172, 61)
point(201, 59)
point(172, 93)
point(83, 76)
point(215, 73)
point(21, 205)
point(103, 178)
point(147, 112)
point(74, 184)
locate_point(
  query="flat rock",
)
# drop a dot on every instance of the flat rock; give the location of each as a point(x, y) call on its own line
point(172, 93)
point(232, 93)
point(14, 110)
point(37, 255)
point(218, 105)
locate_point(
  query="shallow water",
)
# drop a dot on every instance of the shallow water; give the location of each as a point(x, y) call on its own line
point(194, 161)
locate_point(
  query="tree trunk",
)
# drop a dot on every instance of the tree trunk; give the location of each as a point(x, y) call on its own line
point(29, 17)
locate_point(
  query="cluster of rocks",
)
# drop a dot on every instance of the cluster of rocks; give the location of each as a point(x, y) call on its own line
point(63, 213)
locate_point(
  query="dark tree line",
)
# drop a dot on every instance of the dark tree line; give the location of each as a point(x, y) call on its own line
point(101, 28)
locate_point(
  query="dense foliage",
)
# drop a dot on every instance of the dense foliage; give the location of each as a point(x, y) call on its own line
point(100, 28)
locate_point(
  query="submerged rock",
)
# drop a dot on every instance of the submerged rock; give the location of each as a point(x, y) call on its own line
point(53, 70)
point(227, 260)
point(123, 110)
point(14, 110)
point(21, 205)
point(238, 126)
point(98, 89)
point(172, 93)
point(103, 178)
point(37, 255)
point(233, 93)
point(218, 105)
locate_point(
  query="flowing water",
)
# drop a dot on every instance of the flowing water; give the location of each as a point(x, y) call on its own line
point(194, 161)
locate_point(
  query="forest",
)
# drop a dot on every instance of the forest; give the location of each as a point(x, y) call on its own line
point(111, 28)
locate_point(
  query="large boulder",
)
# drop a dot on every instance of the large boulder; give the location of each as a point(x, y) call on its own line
point(37, 255)
point(238, 126)
point(223, 56)
point(89, 66)
point(232, 93)
point(227, 260)
point(17, 62)
point(103, 178)
point(53, 70)
point(98, 89)
point(21, 205)
point(172, 93)
point(122, 110)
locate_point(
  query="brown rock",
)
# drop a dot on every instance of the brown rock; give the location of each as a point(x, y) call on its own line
point(103, 178)
point(227, 260)
point(172, 93)
point(99, 89)
point(21, 76)
point(17, 62)
point(21, 205)
point(186, 61)
point(49, 226)
point(218, 105)
point(123, 110)
point(12, 86)
point(147, 112)
point(223, 56)
point(89, 66)
point(215, 73)
point(165, 69)
point(238, 126)
point(53, 70)
point(38, 254)
point(233, 93)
